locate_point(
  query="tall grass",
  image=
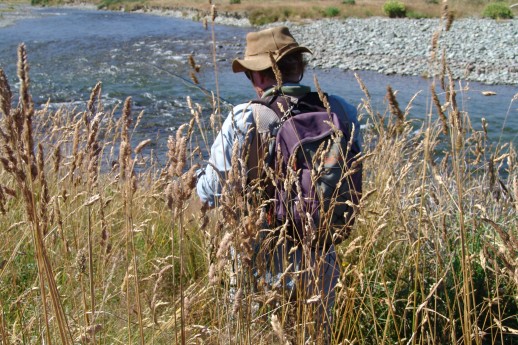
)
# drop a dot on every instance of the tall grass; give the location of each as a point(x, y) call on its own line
point(104, 245)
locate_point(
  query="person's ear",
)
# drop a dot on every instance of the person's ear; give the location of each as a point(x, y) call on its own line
point(264, 79)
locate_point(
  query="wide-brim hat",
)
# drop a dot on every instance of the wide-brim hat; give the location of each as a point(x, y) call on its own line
point(277, 40)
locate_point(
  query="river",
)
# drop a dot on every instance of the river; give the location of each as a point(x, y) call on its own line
point(70, 50)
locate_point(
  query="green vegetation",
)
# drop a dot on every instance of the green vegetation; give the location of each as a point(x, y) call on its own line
point(259, 17)
point(497, 10)
point(349, 2)
point(233, 2)
point(416, 15)
point(262, 17)
point(331, 12)
point(127, 5)
point(394, 9)
point(40, 2)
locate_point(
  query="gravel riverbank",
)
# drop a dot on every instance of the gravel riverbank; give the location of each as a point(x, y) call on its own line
point(476, 49)
point(482, 50)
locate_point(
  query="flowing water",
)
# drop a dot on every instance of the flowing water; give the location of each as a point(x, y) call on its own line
point(70, 50)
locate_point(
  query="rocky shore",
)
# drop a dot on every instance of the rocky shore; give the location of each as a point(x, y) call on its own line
point(480, 50)
point(475, 49)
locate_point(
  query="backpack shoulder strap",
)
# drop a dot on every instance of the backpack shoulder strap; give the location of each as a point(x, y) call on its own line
point(311, 102)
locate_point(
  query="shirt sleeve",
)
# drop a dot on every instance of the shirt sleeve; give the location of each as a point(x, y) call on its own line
point(349, 114)
point(234, 128)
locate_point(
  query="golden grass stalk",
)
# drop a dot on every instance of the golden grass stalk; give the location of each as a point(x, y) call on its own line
point(440, 111)
point(276, 71)
point(321, 95)
point(5, 94)
point(395, 110)
point(217, 99)
point(128, 180)
point(94, 95)
point(19, 160)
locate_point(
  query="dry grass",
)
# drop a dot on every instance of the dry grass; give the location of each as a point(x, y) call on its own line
point(102, 245)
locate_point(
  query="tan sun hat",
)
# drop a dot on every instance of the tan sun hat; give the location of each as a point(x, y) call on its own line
point(277, 40)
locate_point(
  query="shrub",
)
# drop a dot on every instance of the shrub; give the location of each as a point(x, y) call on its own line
point(234, 2)
point(39, 2)
point(497, 10)
point(109, 4)
point(349, 2)
point(394, 9)
point(260, 17)
point(331, 12)
point(417, 15)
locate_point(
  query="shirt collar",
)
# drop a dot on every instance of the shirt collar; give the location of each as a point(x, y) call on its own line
point(290, 89)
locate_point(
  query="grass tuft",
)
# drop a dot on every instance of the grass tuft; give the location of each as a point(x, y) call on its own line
point(497, 10)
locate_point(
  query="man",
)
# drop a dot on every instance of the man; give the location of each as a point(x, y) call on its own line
point(319, 269)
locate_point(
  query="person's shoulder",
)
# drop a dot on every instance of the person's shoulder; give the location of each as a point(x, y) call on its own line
point(241, 115)
point(242, 108)
point(338, 99)
point(347, 107)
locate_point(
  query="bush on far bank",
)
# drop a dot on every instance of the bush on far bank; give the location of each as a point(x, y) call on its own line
point(39, 2)
point(394, 9)
point(497, 10)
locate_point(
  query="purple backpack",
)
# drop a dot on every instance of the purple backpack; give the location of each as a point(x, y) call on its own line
point(316, 173)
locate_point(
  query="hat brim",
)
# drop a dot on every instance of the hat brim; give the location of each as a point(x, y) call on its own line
point(262, 61)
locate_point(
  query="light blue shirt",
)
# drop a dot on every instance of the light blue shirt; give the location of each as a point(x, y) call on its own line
point(235, 128)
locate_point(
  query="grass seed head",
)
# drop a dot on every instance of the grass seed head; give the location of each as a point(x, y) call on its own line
point(276, 71)
point(5, 94)
point(238, 299)
point(440, 112)
point(57, 158)
point(321, 95)
point(435, 41)
point(515, 190)
point(394, 109)
point(125, 146)
point(191, 61)
point(23, 76)
point(3, 201)
point(95, 94)
point(142, 145)
point(277, 329)
point(213, 13)
point(194, 78)
point(81, 262)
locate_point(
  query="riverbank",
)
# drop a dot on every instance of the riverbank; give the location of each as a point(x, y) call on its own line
point(480, 50)
point(475, 49)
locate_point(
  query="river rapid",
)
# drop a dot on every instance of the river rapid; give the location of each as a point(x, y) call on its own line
point(71, 49)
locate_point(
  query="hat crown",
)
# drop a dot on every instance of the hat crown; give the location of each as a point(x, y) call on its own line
point(271, 40)
point(278, 41)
